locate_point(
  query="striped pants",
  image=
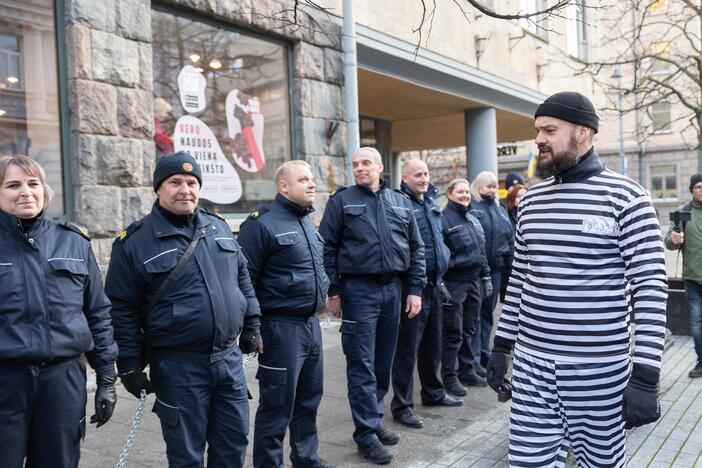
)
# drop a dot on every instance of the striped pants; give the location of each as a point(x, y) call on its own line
point(556, 404)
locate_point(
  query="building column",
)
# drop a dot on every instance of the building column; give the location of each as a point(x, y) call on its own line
point(481, 141)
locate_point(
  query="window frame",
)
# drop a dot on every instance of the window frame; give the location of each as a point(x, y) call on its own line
point(576, 31)
point(668, 128)
point(541, 32)
point(69, 205)
point(289, 45)
point(651, 176)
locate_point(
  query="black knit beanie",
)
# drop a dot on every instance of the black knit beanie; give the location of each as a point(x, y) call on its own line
point(572, 107)
point(694, 180)
point(176, 163)
point(513, 178)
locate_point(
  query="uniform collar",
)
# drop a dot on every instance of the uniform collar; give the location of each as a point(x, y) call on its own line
point(163, 227)
point(430, 193)
point(298, 210)
point(457, 207)
point(383, 185)
point(588, 166)
point(12, 224)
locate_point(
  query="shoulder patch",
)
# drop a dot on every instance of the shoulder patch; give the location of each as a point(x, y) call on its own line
point(129, 230)
point(75, 228)
point(337, 190)
point(260, 211)
point(213, 213)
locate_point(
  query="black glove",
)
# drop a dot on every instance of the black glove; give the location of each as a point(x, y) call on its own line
point(248, 340)
point(105, 395)
point(497, 366)
point(487, 285)
point(640, 404)
point(135, 381)
point(445, 294)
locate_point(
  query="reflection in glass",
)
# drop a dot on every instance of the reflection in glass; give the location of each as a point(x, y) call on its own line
point(255, 138)
point(29, 116)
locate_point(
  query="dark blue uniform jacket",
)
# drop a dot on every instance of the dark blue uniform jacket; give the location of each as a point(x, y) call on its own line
point(498, 231)
point(286, 259)
point(203, 310)
point(428, 216)
point(368, 233)
point(466, 240)
point(52, 303)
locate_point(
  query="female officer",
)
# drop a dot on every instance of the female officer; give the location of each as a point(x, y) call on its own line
point(52, 309)
point(467, 265)
point(498, 239)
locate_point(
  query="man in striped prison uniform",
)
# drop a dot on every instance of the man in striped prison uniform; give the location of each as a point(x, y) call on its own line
point(582, 235)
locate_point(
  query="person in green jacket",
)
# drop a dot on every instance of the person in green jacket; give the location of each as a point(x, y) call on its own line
point(689, 239)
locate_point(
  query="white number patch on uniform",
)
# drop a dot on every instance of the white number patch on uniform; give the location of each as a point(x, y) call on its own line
point(599, 225)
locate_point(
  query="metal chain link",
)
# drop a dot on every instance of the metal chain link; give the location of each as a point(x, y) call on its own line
point(139, 412)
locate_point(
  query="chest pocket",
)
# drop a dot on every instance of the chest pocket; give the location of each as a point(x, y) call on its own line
point(69, 279)
point(285, 239)
point(227, 244)
point(72, 266)
point(459, 239)
point(354, 210)
point(401, 214)
point(162, 261)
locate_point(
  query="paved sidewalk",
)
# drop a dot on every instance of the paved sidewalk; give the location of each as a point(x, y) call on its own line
point(474, 435)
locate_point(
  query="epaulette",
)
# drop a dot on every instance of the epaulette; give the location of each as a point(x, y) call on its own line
point(130, 229)
point(338, 189)
point(260, 211)
point(75, 228)
point(213, 213)
point(403, 193)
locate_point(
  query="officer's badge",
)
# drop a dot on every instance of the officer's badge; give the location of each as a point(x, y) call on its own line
point(122, 235)
point(187, 167)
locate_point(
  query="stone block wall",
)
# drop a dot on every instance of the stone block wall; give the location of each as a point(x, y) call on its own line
point(110, 83)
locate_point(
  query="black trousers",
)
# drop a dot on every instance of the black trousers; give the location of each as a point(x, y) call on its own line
point(419, 342)
point(459, 327)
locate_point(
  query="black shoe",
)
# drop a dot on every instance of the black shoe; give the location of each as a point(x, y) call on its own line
point(473, 380)
point(696, 372)
point(409, 419)
point(387, 437)
point(447, 400)
point(455, 389)
point(480, 370)
point(322, 463)
point(375, 453)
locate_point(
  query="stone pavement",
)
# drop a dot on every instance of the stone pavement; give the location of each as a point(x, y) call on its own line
point(474, 435)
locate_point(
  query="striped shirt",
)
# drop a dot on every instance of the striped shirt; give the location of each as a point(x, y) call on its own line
point(579, 243)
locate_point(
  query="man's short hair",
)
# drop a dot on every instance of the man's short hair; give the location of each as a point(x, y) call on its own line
point(377, 158)
point(284, 170)
point(407, 163)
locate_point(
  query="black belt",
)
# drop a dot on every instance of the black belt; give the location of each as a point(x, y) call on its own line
point(383, 278)
point(37, 366)
point(185, 355)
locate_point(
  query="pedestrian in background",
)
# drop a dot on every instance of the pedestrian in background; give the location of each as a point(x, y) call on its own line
point(468, 281)
point(583, 235)
point(687, 237)
point(514, 196)
point(286, 264)
point(420, 339)
point(53, 309)
point(371, 243)
point(181, 295)
point(498, 240)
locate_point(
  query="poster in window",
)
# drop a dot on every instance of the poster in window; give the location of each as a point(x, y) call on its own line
point(245, 127)
point(191, 85)
point(220, 181)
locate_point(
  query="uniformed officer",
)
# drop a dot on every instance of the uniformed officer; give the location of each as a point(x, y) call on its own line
point(371, 241)
point(181, 294)
point(286, 266)
point(52, 309)
point(419, 340)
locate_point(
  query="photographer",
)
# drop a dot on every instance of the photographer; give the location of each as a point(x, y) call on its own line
point(685, 233)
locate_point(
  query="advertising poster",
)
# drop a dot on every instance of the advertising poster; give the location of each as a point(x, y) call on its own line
point(191, 87)
point(245, 127)
point(220, 182)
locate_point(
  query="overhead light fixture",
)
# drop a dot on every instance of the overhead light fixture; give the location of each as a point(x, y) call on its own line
point(194, 58)
point(2, 112)
point(199, 69)
point(12, 79)
point(215, 64)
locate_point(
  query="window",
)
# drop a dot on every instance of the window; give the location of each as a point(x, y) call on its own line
point(376, 133)
point(535, 24)
point(664, 181)
point(222, 96)
point(29, 99)
point(576, 30)
point(659, 49)
point(660, 117)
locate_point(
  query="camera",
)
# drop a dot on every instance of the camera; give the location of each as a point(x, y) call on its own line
point(679, 218)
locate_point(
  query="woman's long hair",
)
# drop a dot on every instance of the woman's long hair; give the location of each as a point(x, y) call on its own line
point(512, 196)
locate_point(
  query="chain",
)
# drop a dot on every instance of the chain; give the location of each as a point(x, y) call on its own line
point(133, 430)
point(136, 421)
